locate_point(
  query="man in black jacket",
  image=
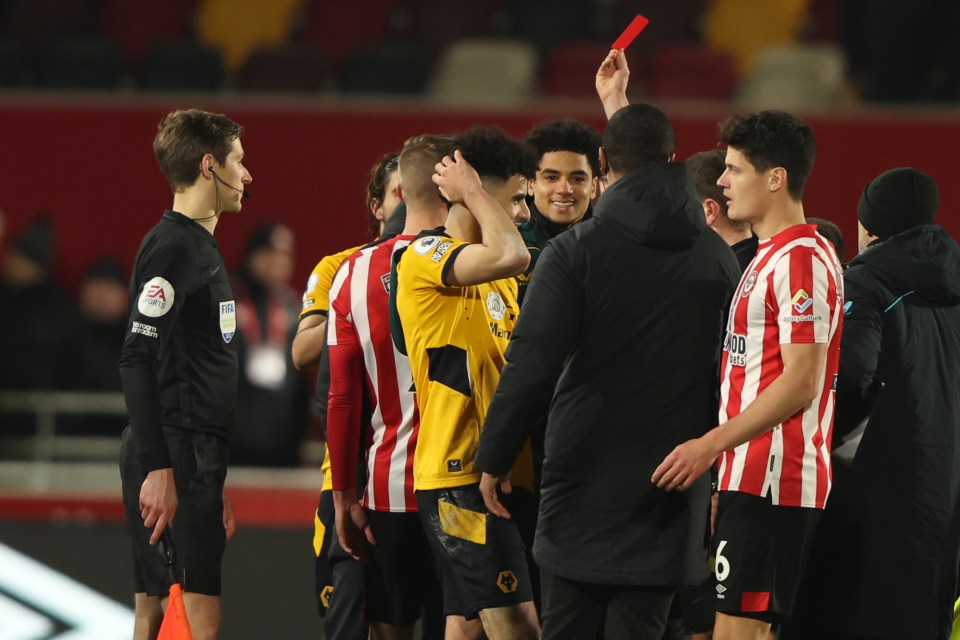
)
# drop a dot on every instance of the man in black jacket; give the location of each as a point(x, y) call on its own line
point(884, 561)
point(618, 341)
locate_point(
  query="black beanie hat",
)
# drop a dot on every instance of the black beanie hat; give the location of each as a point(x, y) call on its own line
point(36, 241)
point(897, 200)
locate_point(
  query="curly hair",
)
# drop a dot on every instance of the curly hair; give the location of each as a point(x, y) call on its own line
point(495, 155)
point(771, 139)
point(566, 135)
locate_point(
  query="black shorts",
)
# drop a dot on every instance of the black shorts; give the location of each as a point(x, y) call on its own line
point(400, 579)
point(760, 552)
point(323, 531)
point(481, 557)
point(199, 470)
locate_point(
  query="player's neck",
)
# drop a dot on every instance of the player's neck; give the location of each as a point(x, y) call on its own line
point(462, 225)
point(779, 217)
point(420, 218)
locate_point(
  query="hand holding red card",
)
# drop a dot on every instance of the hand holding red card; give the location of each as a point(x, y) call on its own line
point(631, 32)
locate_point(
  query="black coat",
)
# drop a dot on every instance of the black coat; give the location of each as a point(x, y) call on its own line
point(885, 559)
point(618, 340)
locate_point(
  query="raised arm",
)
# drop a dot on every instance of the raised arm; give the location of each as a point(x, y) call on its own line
point(612, 78)
point(502, 252)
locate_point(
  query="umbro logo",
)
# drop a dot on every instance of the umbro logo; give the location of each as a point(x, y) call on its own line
point(721, 588)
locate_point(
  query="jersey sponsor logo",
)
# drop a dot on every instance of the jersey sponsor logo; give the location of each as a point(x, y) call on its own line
point(750, 283)
point(736, 347)
point(312, 283)
point(802, 301)
point(228, 320)
point(496, 306)
point(424, 245)
point(143, 329)
point(156, 298)
point(500, 333)
point(507, 581)
point(307, 303)
point(442, 248)
point(385, 280)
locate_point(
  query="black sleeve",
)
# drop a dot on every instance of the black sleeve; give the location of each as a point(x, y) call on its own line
point(545, 333)
point(323, 385)
point(396, 327)
point(857, 385)
point(162, 282)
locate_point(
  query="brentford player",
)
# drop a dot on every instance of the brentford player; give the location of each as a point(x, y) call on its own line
point(778, 373)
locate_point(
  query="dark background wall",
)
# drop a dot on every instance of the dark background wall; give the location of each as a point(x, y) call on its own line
point(90, 163)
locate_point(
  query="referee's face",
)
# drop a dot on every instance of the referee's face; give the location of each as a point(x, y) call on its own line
point(235, 174)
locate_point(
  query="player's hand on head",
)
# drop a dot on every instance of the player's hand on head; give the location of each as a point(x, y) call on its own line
point(456, 177)
point(158, 501)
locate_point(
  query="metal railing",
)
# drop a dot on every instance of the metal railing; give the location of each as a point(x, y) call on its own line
point(47, 406)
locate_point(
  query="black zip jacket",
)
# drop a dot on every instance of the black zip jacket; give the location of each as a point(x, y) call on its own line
point(885, 559)
point(619, 341)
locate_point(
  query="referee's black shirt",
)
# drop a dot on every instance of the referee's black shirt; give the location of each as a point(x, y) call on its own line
point(179, 361)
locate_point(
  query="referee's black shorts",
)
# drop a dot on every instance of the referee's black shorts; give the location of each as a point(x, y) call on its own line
point(199, 469)
point(760, 552)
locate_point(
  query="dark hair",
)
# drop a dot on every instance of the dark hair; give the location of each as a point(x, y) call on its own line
point(495, 155)
point(636, 136)
point(566, 135)
point(377, 187)
point(705, 168)
point(774, 139)
point(831, 232)
point(184, 137)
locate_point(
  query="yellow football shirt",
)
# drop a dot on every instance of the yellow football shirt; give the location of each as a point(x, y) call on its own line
point(316, 297)
point(455, 338)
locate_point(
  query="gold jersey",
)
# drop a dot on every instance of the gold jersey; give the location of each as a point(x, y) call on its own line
point(455, 339)
point(316, 297)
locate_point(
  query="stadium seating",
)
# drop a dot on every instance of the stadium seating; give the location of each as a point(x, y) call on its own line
point(797, 78)
point(139, 25)
point(286, 67)
point(340, 33)
point(181, 66)
point(78, 62)
point(397, 68)
point(237, 27)
point(486, 72)
point(692, 72)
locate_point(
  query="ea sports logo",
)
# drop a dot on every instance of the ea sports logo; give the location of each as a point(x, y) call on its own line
point(156, 298)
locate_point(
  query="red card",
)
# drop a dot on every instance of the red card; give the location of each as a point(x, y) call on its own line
point(631, 32)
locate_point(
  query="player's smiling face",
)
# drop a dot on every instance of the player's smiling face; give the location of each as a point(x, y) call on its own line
point(563, 187)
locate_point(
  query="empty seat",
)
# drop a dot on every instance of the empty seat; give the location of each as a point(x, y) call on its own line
point(181, 66)
point(287, 67)
point(14, 68)
point(79, 63)
point(139, 25)
point(237, 27)
point(692, 72)
point(569, 70)
point(798, 78)
point(746, 28)
point(338, 33)
point(437, 23)
point(671, 23)
point(547, 23)
point(387, 68)
point(37, 21)
point(486, 72)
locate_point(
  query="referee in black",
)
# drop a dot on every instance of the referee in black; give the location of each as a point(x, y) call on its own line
point(179, 373)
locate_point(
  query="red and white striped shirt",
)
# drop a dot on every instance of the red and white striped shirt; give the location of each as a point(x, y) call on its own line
point(366, 366)
point(792, 293)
